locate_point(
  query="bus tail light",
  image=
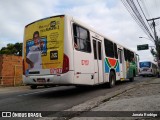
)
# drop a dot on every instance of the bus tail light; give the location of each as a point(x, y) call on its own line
point(23, 67)
point(65, 64)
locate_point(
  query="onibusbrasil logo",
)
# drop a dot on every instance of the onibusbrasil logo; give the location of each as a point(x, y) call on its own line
point(21, 114)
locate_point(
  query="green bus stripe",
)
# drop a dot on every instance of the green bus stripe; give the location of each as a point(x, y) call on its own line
point(116, 64)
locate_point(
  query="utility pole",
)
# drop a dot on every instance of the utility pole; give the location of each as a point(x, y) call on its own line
point(156, 39)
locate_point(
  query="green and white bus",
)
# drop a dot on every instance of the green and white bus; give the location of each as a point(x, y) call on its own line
point(61, 50)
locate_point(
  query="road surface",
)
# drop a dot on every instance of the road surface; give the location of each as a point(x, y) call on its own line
point(55, 98)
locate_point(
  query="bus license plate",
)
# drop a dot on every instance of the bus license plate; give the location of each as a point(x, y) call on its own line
point(41, 80)
point(145, 69)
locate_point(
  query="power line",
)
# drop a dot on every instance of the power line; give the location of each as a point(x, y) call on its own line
point(144, 15)
point(134, 11)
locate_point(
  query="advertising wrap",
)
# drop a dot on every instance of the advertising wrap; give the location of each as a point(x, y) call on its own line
point(44, 46)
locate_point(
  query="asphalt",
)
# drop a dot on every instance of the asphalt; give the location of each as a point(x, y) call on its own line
point(140, 101)
point(137, 99)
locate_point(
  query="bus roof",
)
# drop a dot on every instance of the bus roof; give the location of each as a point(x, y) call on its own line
point(93, 30)
point(44, 19)
point(82, 24)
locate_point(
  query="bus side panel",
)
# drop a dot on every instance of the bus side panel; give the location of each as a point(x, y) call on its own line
point(83, 66)
point(111, 63)
point(68, 51)
point(82, 61)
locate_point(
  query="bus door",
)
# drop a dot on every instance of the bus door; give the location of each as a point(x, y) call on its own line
point(121, 63)
point(98, 69)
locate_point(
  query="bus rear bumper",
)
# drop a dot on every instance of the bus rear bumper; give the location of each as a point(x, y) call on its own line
point(66, 78)
point(145, 73)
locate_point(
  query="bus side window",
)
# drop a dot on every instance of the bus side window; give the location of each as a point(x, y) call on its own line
point(120, 55)
point(115, 51)
point(76, 33)
point(81, 39)
point(125, 55)
point(109, 48)
point(129, 56)
point(94, 49)
point(99, 51)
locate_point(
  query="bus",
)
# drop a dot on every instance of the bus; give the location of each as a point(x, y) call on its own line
point(147, 68)
point(61, 50)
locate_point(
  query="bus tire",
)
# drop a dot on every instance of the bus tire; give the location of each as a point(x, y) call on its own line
point(112, 80)
point(46, 86)
point(33, 86)
point(131, 79)
point(134, 73)
point(157, 74)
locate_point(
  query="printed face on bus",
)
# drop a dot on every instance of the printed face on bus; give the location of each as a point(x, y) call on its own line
point(36, 39)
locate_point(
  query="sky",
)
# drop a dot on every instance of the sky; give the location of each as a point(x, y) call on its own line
point(108, 17)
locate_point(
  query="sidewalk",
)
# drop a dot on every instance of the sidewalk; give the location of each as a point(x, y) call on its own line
point(139, 97)
point(13, 89)
point(143, 97)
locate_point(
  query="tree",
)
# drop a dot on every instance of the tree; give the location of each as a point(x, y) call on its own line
point(12, 49)
point(18, 47)
point(153, 52)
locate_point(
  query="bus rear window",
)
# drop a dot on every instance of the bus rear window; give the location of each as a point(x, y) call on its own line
point(145, 64)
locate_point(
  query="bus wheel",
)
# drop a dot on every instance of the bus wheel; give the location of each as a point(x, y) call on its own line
point(33, 86)
point(112, 79)
point(46, 86)
point(131, 79)
point(157, 75)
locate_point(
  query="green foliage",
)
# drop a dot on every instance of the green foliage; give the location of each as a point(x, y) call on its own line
point(12, 49)
point(154, 52)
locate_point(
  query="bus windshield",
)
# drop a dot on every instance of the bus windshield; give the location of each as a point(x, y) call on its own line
point(145, 64)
